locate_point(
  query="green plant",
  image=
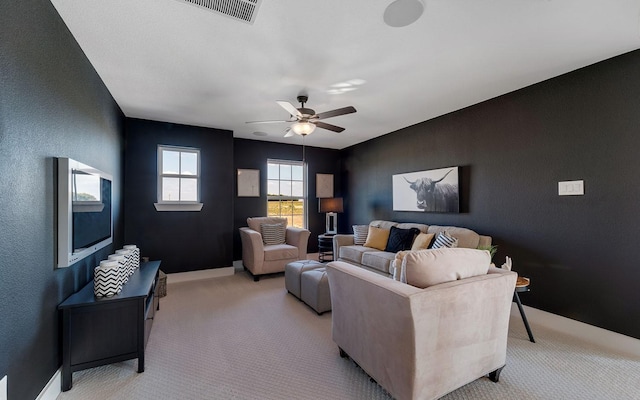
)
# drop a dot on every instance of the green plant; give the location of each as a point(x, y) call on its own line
point(492, 249)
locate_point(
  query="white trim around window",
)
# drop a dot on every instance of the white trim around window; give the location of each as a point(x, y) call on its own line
point(178, 179)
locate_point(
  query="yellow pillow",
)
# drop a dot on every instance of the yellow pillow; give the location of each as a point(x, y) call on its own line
point(422, 241)
point(377, 238)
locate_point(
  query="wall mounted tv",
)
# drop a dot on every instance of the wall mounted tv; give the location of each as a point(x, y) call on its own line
point(85, 220)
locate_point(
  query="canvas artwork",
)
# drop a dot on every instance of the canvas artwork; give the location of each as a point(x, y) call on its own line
point(248, 182)
point(324, 185)
point(435, 190)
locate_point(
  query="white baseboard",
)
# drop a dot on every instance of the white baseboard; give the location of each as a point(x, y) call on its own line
point(201, 274)
point(53, 388)
point(616, 342)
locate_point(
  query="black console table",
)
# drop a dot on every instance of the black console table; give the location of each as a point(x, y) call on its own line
point(98, 331)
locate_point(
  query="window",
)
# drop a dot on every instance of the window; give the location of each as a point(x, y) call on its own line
point(178, 179)
point(286, 192)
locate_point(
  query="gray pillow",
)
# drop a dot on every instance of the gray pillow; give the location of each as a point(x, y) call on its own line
point(360, 233)
point(273, 233)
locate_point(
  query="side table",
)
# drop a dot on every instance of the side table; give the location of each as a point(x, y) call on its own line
point(522, 285)
point(325, 247)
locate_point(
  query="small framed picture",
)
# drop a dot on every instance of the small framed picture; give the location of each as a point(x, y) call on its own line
point(248, 182)
point(324, 186)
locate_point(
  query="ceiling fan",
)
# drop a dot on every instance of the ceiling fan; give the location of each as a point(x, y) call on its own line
point(305, 120)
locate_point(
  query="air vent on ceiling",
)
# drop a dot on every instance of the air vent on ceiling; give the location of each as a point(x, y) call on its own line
point(242, 10)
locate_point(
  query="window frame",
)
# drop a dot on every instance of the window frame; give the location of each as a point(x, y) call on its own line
point(305, 215)
point(178, 205)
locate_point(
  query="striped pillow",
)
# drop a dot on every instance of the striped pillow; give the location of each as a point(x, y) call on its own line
point(444, 240)
point(360, 233)
point(273, 233)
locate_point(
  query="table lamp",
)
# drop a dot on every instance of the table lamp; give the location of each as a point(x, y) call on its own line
point(331, 206)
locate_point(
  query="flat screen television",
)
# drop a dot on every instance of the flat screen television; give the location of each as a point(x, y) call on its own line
point(85, 218)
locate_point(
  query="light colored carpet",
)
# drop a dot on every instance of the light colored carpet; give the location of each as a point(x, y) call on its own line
point(232, 338)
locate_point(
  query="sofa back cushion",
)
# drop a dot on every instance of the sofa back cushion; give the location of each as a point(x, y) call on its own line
point(408, 225)
point(426, 268)
point(383, 224)
point(255, 222)
point(466, 237)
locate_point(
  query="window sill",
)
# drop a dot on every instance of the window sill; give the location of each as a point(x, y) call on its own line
point(178, 206)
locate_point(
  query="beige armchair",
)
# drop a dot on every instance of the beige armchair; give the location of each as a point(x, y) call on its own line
point(259, 258)
point(421, 343)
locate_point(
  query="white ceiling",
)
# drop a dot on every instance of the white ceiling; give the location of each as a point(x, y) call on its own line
point(170, 61)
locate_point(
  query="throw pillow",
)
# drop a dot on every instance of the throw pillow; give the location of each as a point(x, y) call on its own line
point(360, 234)
point(377, 238)
point(400, 239)
point(444, 240)
point(422, 241)
point(431, 267)
point(273, 233)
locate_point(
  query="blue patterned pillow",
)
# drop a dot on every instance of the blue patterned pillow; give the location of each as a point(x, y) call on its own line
point(444, 240)
point(400, 239)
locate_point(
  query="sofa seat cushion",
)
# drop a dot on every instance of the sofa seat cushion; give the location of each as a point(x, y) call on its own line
point(426, 268)
point(280, 252)
point(378, 260)
point(466, 237)
point(353, 253)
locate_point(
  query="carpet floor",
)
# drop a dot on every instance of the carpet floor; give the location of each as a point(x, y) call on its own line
point(232, 338)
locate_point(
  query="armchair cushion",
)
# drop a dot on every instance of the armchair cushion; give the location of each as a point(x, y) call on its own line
point(255, 222)
point(426, 268)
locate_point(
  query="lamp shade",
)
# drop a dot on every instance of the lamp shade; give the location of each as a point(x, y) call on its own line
point(330, 205)
point(303, 128)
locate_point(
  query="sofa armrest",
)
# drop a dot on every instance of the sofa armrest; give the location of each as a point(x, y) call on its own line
point(298, 237)
point(341, 240)
point(252, 248)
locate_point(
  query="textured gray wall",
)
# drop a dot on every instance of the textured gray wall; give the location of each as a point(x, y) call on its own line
point(580, 251)
point(52, 104)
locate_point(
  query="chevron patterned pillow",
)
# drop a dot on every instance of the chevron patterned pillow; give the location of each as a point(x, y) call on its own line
point(273, 233)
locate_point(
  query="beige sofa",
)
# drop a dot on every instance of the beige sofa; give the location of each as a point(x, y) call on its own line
point(421, 343)
point(378, 261)
point(261, 259)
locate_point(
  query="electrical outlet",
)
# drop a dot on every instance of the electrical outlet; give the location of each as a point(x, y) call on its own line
point(3, 388)
point(571, 188)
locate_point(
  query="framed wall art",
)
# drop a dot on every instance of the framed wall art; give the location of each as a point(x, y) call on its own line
point(248, 182)
point(435, 190)
point(324, 186)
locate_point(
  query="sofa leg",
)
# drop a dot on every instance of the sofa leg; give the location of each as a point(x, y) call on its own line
point(256, 278)
point(343, 354)
point(495, 375)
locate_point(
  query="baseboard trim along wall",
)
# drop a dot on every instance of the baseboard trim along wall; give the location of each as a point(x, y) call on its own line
point(615, 342)
point(53, 388)
point(201, 274)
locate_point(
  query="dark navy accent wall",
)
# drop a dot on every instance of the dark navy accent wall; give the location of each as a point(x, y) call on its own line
point(579, 251)
point(52, 104)
point(183, 240)
point(253, 154)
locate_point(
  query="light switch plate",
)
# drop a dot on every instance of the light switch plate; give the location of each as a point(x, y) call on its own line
point(3, 388)
point(571, 188)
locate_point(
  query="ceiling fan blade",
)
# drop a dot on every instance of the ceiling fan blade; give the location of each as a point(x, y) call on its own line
point(289, 132)
point(271, 122)
point(336, 112)
point(329, 127)
point(290, 108)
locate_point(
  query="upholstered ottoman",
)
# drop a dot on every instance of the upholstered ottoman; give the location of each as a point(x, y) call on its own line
point(314, 285)
point(293, 272)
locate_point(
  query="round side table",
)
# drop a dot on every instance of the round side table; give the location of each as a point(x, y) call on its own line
point(522, 285)
point(325, 247)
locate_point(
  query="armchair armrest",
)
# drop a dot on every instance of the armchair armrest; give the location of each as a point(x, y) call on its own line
point(252, 248)
point(341, 240)
point(298, 237)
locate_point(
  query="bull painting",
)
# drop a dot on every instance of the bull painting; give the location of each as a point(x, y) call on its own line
point(430, 191)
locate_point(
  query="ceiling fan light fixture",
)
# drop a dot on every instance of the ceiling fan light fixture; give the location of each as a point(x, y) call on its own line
point(303, 128)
